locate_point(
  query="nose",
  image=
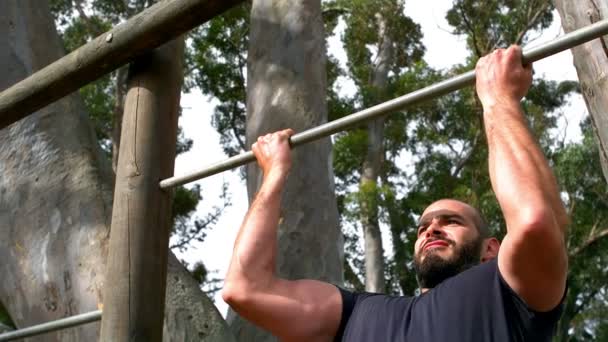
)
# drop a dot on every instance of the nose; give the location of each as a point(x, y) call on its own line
point(434, 228)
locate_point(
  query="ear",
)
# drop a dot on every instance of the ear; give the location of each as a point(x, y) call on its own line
point(489, 249)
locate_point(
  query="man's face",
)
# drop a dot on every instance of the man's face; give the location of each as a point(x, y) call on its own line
point(448, 242)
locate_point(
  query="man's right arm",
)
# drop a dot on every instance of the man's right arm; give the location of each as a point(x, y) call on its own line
point(300, 310)
point(532, 259)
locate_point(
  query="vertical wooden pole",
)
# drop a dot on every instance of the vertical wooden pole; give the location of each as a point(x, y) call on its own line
point(135, 282)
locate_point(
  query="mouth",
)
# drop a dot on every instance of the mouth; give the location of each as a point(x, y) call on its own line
point(435, 244)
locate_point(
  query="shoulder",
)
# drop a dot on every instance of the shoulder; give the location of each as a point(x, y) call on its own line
point(362, 310)
point(473, 279)
point(369, 302)
point(485, 285)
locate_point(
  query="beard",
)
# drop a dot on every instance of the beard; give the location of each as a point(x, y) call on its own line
point(434, 269)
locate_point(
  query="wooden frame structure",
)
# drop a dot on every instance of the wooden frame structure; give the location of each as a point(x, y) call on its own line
point(137, 264)
point(139, 241)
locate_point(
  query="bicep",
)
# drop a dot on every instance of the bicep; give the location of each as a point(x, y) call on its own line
point(533, 261)
point(300, 310)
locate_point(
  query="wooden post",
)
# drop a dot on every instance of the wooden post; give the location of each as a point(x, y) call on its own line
point(135, 282)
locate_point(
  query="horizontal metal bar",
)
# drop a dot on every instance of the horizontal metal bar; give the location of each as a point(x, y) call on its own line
point(52, 326)
point(147, 30)
point(559, 44)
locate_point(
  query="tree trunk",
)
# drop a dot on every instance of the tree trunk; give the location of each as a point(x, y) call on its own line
point(55, 195)
point(591, 62)
point(372, 166)
point(55, 203)
point(369, 196)
point(286, 88)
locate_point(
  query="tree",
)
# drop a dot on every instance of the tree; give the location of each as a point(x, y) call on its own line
point(444, 138)
point(452, 159)
point(286, 85)
point(585, 309)
point(590, 62)
point(218, 59)
point(55, 202)
point(394, 41)
point(579, 172)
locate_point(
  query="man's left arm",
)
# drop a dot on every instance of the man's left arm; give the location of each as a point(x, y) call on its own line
point(532, 259)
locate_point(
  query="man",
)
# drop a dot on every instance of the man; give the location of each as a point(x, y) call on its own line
point(472, 288)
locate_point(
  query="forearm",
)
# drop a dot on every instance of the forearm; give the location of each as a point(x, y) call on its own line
point(254, 255)
point(520, 174)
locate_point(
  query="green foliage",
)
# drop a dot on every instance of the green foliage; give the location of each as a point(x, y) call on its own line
point(349, 151)
point(579, 172)
point(362, 42)
point(185, 202)
point(208, 280)
point(218, 60)
point(384, 53)
point(99, 101)
point(5, 319)
point(498, 23)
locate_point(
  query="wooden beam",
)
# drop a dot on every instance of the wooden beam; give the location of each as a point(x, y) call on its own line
point(135, 282)
point(147, 30)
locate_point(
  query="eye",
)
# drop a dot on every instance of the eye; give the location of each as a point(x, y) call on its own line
point(453, 221)
point(421, 229)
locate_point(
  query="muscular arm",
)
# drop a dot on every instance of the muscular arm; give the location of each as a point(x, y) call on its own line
point(533, 257)
point(302, 310)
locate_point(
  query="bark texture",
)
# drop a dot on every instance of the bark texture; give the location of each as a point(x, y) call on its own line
point(55, 204)
point(286, 88)
point(591, 62)
point(55, 198)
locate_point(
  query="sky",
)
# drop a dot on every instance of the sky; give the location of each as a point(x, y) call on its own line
point(443, 50)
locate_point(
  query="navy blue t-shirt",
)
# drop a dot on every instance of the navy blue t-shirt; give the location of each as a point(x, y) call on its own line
point(475, 305)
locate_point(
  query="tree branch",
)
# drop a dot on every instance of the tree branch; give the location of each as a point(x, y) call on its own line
point(462, 163)
point(531, 22)
point(210, 219)
point(592, 240)
point(471, 30)
point(584, 302)
point(234, 127)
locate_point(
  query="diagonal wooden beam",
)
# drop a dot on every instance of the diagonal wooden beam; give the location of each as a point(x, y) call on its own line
point(147, 30)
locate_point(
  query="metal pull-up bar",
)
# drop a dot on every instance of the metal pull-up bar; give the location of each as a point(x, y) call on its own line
point(47, 327)
point(557, 45)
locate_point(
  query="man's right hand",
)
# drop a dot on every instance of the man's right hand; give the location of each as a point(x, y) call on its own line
point(501, 77)
point(273, 153)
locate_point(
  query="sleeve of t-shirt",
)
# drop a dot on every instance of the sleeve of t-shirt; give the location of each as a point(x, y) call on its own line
point(349, 300)
point(533, 325)
point(348, 303)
